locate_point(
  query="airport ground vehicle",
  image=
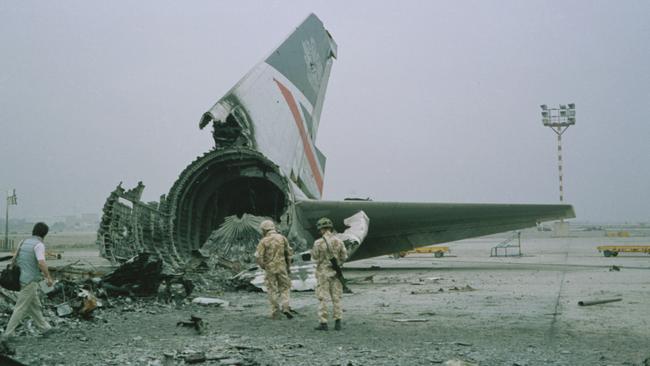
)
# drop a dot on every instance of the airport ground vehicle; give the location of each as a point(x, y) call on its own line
point(613, 250)
point(437, 250)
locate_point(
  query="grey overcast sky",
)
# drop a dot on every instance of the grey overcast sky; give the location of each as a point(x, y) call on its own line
point(432, 101)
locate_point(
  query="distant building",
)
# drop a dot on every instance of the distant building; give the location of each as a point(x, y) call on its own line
point(90, 218)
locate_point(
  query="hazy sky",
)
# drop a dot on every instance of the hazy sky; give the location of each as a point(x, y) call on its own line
point(428, 101)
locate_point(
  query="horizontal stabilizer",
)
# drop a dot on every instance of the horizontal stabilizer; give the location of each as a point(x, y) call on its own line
point(397, 226)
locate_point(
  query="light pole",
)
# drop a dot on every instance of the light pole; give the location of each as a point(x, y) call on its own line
point(11, 200)
point(559, 120)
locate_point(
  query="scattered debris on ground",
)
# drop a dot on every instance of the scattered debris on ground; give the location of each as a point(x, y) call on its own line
point(194, 322)
point(425, 291)
point(464, 344)
point(457, 362)
point(359, 280)
point(598, 302)
point(209, 301)
point(139, 276)
point(462, 289)
point(195, 317)
point(415, 320)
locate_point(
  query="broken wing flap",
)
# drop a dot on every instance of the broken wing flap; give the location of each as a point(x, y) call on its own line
point(352, 237)
point(402, 226)
point(357, 230)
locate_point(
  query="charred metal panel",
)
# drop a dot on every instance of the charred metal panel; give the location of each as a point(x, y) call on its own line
point(220, 184)
point(129, 226)
point(231, 124)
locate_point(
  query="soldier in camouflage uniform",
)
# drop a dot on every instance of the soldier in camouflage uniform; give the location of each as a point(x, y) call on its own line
point(328, 285)
point(273, 255)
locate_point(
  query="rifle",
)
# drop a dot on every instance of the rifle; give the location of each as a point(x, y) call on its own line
point(287, 258)
point(337, 268)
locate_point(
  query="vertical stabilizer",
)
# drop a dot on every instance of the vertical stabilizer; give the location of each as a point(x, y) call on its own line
point(305, 59)
point(275, 109)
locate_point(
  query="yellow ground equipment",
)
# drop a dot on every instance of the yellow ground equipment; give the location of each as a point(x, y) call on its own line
point(617, 234)
point(437, 250)
point(613, 250)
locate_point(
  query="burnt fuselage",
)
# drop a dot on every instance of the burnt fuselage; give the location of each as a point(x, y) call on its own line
point(219, 184)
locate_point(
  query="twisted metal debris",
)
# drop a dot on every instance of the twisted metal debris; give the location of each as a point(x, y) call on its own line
point(217, 201)
point(236, 239)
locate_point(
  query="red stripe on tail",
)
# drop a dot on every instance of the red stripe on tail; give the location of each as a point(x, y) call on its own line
point(286, 93)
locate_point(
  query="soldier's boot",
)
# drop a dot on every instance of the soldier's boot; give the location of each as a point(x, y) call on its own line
point(337, 324)
point(288, 314)
point(321, 326)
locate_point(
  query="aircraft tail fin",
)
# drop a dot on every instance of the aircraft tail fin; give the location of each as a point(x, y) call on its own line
point(275, 108)
point(305, 58)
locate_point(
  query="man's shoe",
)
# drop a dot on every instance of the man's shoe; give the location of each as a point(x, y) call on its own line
point(321, 326)
point(6, 348)
point(337, 324)
point(48, 332)
point(288, 314)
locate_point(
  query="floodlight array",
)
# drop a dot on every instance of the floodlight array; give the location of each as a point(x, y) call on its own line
point(564, 116)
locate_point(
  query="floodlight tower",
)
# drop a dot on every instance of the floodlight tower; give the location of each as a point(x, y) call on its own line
point(559, 120)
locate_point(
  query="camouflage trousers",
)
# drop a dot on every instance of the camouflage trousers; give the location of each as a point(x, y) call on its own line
point(328, 287)
point(278, 286)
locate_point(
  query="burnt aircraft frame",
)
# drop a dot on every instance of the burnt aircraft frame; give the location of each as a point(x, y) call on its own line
point(265, 163)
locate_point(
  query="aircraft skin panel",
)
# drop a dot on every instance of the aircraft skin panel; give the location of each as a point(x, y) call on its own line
point(279, 127)
point(396, 226)
point(305, 138)
point(303, 58)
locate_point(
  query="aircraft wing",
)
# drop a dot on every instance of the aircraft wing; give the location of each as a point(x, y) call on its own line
point(396, 226)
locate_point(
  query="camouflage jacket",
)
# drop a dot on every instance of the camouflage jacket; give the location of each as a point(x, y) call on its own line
point(273, 252)
point(321, 254)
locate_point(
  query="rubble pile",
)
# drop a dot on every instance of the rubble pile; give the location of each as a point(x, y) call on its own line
point(140, 276)
point(216, 280)
point(140, 280)
point(7, 301)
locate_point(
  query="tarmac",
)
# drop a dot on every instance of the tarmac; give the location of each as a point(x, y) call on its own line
point(465, 308)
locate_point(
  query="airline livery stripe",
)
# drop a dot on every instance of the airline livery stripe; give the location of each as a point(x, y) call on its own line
point(286, 93)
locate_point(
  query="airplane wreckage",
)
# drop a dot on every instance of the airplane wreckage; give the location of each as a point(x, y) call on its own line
point(265, 165)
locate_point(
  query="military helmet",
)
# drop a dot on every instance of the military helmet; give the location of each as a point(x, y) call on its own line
point(324, 223)
point(267, 225)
